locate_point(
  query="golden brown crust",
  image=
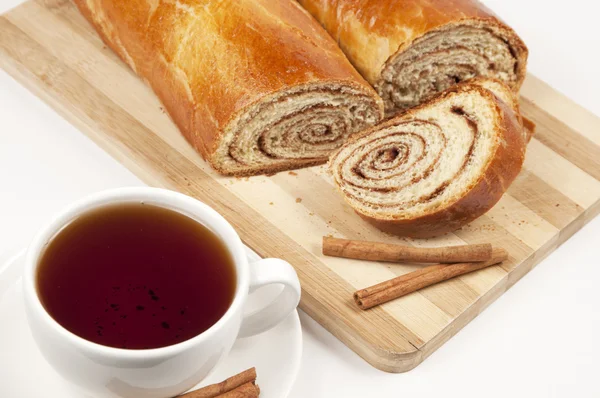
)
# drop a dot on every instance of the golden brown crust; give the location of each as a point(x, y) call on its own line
point(371, 32)
point(529, 127)
point(208, 60)
point(513, 102)
point(503, 168)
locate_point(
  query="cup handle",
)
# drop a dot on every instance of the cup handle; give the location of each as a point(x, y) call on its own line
point(266, 272)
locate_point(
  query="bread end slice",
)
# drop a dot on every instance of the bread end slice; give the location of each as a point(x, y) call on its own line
point(434, 168)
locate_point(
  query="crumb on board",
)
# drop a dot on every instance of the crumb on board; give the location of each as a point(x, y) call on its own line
point(311, 214)
point(479, 228)
point(271, 203)
point(298, 200)
point(558, 205)
point(292, 173)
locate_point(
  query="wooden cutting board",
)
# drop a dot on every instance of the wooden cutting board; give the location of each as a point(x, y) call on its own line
point(50, 48)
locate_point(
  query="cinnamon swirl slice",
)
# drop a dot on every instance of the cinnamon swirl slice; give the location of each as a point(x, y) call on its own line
point(409, 50)
point(297, 127)
point(434, 168)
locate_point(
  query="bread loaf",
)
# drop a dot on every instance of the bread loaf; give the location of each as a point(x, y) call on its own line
point(434, 168)
point(409, 50)
point(256, 86)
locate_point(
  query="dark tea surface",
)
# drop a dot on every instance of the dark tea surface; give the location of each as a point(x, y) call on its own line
point(136, 276)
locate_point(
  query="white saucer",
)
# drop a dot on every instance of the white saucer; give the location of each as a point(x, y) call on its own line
point(25, 374)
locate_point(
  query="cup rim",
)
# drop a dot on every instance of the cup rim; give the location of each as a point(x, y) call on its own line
point(159, 197)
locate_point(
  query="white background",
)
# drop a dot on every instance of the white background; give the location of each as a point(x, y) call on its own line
point(541, 339)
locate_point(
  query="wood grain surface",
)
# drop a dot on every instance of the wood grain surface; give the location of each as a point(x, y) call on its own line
point(51, 49)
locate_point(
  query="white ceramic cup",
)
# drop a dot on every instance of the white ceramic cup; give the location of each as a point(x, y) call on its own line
point(162, 372)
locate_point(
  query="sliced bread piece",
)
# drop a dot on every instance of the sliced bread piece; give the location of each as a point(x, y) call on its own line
point(255, 86)
point(434, 168)
point(410, 50)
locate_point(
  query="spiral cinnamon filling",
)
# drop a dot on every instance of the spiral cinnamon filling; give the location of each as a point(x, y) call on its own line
point(445, 57)
point(417, 162)
point(304, 126)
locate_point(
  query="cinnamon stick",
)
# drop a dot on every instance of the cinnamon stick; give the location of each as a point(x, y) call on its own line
point(248, 390)
point(396, 281)
point(242, 385)
point(411, 282)
point(375, 251)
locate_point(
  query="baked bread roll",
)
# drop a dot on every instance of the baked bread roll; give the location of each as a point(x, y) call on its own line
point(256, 86)
point(409, 50)
point(434, 168)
